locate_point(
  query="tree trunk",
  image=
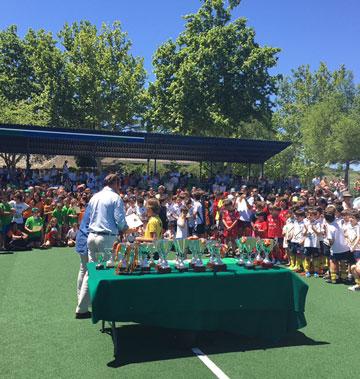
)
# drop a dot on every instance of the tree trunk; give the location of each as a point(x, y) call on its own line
point(347, 169)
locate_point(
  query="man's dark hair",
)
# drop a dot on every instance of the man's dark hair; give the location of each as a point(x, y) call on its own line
point(111, 179)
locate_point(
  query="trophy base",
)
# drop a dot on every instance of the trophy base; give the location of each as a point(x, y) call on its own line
point(100, 267)
point(217, 268)
point(267, 265)
point(163, 270)
point(240, 263)
point(258, 263)
point(145, 269)
point(182, 269)
point(199, 268)
point(249, 266)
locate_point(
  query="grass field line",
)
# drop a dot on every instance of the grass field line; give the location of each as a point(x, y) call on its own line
point(209, 364)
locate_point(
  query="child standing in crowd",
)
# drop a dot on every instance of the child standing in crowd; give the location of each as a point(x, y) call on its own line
point(230, 219)
point(275, 229)
point(311, 243)
point(71, 235)
point(339, 250)
point(297, 241)
point(261, 225)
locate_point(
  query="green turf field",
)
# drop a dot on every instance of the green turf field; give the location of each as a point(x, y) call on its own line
point(40, 338)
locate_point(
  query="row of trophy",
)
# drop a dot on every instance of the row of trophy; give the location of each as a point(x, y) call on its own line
point(131, 258)
point(254, 252)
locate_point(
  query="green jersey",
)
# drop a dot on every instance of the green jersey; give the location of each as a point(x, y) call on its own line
point(5, 219)
point(34, 223)
point(58, 214)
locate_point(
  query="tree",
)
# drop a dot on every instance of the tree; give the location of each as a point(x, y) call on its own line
point(296, 105)
point(105, 83)
point(214, 78)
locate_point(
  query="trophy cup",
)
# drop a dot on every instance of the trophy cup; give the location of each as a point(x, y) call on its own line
point(100, 261)
point(197, 247)
point(216, 263)
point(180, 247)
point(144, 251)
point(258, 259)
point(243, 249)
point(249, 263)
point(267, 247)
point(120, 259)
point(164, 247)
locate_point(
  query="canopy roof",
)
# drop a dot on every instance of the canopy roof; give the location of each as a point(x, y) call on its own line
point(31, 139)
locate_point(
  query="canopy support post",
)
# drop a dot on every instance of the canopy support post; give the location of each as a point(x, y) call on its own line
point(200, 168)
point(262, 170)
point(148, 167)
point(154, 166)
point(249, 170)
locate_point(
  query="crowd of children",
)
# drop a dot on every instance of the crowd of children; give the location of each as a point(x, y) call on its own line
point(317, 232)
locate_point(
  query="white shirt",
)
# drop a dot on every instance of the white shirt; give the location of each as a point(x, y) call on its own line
point(198, 213)
point(19, 209)
point(107, 213)
point(182, 230)
point(244, 211)
point(336, 235)
point(311, 238)
point(299, 228)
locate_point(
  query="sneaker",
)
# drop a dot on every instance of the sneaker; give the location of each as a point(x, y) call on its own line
point(316, 275)
point(337, 281)
point(354, 288)
point(308, 275)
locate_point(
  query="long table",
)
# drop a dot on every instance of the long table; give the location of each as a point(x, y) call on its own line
point(266, 303)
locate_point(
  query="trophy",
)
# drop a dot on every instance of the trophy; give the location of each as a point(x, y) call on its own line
point(144, 250)
point(180, 247)
point(258, 259)
point(164, 247)
point(243, 250)
point(197, 247)
point(267, 247)
point(129, 261)
point(120, 260)
point(215, 262)
point(100, 261)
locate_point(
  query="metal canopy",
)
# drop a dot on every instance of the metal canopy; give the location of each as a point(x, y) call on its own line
point(29, 139)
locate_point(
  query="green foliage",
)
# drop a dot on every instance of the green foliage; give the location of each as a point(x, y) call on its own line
point(213, 79)
point(309, 105)
point(91, 82)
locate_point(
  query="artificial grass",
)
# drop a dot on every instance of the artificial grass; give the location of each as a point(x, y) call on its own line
point(40, 338)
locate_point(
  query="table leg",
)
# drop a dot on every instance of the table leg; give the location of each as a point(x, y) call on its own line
point(114, 338)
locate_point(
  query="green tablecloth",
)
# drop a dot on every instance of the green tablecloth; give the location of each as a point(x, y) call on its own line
point(259, 303)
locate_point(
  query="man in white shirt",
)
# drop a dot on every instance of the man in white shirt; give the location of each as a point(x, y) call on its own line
point(106, 220)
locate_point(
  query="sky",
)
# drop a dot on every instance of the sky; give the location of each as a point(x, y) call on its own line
point(307, 31)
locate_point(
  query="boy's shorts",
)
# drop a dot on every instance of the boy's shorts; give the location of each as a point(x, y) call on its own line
point(357, 255)
point(296, 248)
point(347, 256)
point(311, 252)
point(327, 252)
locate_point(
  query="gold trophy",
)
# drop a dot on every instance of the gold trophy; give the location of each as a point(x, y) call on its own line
point(216, 263)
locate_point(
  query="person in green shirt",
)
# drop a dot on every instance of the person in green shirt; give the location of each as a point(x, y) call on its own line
point(34, 225)
point(58, 214)
point(6, 215)
point(72, 213)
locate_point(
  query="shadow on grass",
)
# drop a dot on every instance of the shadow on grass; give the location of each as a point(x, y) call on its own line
point(138, 343)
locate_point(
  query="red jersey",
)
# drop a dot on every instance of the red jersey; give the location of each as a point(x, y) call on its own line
point(261, 229)
point(283, 214)
point(229, 218)
point(275, 227)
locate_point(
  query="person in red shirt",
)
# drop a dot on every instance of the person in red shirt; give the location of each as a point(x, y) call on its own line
point(284, 209)
point(230, 218)
point(275, 227)
point(261, 225)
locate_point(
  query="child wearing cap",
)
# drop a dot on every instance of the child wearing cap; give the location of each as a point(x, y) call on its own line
point(297, 240)
point(312, 233)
